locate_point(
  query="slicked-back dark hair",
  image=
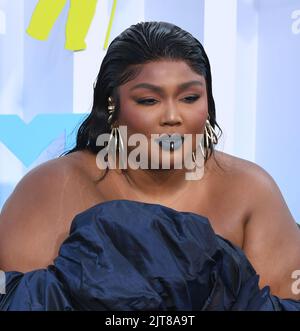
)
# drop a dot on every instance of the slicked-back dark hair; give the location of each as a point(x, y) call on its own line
point(141, 43)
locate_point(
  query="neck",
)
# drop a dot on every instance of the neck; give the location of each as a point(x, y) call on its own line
point(157, 183)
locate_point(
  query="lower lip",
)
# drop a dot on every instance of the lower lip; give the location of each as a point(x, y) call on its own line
point(166, 144)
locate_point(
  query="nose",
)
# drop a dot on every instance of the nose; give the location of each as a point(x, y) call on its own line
point(171, 117)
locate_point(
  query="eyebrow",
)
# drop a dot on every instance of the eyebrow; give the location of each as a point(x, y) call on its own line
point(159, 90)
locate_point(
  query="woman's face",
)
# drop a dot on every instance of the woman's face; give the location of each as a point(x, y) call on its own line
point(166, 97)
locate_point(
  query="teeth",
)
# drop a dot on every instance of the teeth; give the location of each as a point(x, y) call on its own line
point(170, 143)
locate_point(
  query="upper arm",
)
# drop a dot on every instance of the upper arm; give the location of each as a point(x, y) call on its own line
point(31, 224)
point(272, 237)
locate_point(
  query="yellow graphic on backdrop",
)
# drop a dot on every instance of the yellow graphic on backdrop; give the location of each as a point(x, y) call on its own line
point(80, 16)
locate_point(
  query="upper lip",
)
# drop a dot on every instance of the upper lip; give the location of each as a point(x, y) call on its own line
point(169, 137)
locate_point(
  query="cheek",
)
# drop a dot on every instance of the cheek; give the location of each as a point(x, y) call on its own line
point(195, 125)
point(135, 120)
point(196, 121)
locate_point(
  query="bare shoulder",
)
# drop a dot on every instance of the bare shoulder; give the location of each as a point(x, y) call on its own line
point(36, 217)
point(46, 182)
point(247, 174)
point(233, 183)
point(252, 182)
point(236, 165)
point(271, 235)
point(40, 183)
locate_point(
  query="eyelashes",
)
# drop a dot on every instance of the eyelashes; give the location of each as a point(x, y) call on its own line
point(192, 98)
point(146, 102)
point(151, 101)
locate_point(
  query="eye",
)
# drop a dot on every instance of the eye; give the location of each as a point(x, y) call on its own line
point(191, 98)
point(147, 102)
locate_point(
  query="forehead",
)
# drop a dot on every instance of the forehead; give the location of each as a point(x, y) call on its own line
point(164, 72)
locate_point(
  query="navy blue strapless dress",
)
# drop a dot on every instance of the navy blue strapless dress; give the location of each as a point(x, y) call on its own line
point(129, 255)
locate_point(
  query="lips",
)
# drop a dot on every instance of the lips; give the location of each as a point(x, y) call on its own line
point(170, 141)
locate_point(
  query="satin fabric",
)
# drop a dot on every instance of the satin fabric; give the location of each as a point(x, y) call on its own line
point(129, 255)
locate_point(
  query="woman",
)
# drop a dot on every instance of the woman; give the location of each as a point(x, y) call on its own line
point(154, 79)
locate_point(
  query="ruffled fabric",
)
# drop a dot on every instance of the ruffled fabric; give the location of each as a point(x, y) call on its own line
point(129, 255)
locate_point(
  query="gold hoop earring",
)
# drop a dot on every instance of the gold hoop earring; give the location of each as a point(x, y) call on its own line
point(118, 145)
point(202, 152)
point(210, 134)
point(115, 132)
point(116, 135)
point(111, 108)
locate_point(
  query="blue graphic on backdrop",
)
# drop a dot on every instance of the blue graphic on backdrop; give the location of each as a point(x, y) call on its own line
point(28, 141)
